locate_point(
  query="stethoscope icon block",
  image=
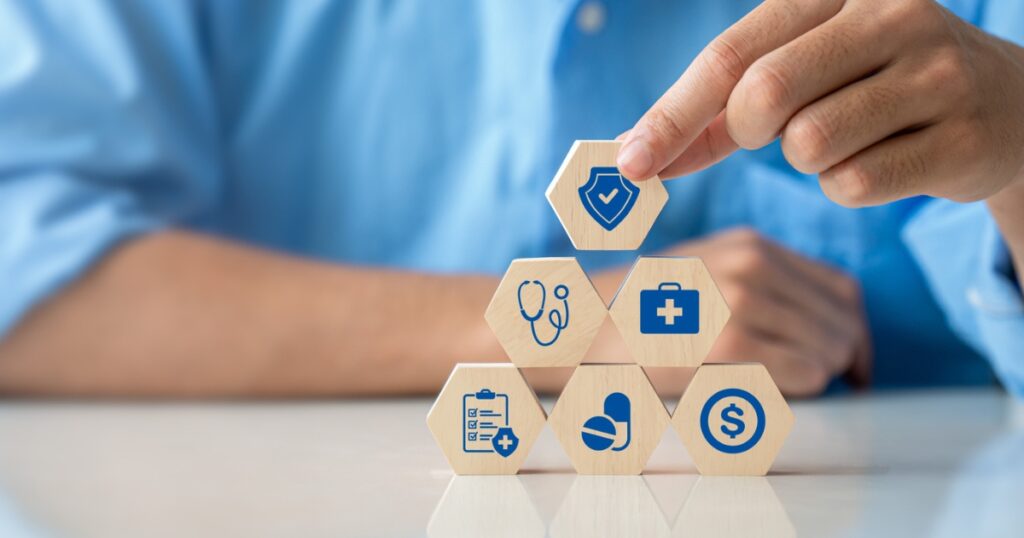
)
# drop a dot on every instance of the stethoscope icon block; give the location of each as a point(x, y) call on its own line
point(545, 312)
point(609, 419)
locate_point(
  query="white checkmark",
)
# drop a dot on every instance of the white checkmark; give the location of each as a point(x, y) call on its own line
point(605, 198)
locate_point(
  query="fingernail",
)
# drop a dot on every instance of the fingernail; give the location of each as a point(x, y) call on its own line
point(635, 159)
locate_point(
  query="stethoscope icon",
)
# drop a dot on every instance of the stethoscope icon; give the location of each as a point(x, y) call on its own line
point(556, 318)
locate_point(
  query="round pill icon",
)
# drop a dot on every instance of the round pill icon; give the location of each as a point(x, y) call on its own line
point(598, 433)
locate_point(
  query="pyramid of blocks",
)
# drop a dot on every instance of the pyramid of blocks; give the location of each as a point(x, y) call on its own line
point(546, 313)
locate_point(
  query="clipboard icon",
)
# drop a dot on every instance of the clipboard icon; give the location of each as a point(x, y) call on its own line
point(483, 414)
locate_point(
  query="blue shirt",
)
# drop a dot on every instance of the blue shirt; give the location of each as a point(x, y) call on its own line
point(422, 135)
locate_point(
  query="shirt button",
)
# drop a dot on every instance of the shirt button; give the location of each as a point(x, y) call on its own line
point(590, 18)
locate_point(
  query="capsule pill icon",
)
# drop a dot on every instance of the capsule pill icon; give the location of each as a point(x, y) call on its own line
point(612, 430)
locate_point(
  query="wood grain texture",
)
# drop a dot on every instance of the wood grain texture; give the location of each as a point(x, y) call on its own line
point(583, 398)
point(586, 312)
point(525, 416)
point(686, 350)
point(583, 230)
point(709, 380)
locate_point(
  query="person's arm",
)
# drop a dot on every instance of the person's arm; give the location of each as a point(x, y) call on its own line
point(179, 314)
point(883, 100)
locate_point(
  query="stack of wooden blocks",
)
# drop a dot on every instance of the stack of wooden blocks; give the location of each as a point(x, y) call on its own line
point(545, 312)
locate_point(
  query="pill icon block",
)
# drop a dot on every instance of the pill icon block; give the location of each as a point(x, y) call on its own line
point(609, 419)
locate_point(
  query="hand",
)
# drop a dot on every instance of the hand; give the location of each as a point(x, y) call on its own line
point(884, 99)
point(804, 321)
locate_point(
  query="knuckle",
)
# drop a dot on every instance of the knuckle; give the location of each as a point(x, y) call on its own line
point(815, 380)
point(850, 185)
point(724, 64)
point(750, 260)
point(745, 235)
point(948, 70)
point(892, 16)
point(807, 143)
point(740, 299)
point(767, 90)
point(666, 120)
point(848, 289)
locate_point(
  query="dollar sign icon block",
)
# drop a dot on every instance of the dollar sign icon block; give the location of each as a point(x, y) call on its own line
point(732, 419)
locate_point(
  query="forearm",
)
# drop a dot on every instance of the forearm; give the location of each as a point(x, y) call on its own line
point(176, 314)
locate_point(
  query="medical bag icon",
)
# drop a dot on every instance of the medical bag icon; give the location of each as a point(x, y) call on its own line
point(611, 430)
point(608, 197)
point(485, 424)
point(669, 310)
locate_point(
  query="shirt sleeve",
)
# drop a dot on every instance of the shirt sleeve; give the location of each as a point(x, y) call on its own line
point(967, 265)
point(107, 131)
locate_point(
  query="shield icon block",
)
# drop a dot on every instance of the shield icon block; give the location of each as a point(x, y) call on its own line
point(608, 197)
point(505, 442)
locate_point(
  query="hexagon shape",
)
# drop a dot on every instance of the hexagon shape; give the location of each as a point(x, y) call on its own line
point(733, 419)
point(485, 506)
point(609, 419)
point(609, 506)
point(669, 311)
point(545, 312)
point(733, 506)
point(485, 419)
point(598, 207)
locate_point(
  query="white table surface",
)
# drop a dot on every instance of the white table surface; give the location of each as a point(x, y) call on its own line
point(896, 464)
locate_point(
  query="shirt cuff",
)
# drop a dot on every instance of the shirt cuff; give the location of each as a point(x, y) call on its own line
point(55, 228)
point(968, 267)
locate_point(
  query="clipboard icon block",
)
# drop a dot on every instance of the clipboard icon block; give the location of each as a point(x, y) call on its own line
point(486, 419)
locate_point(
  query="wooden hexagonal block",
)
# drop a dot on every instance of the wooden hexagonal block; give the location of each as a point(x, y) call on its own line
point(669, 311)
point(545, 312)
point(599, 208)
point(733, 419)
point(609, 419)
point(486, 419)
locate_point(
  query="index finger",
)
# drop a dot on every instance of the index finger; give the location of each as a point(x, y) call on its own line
point(702, 91)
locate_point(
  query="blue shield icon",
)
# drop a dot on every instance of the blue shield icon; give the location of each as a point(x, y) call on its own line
point(608, 197)
point(505, 442)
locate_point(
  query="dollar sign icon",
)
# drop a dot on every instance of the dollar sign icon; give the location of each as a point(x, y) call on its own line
point(734, 425)
point(729, 415)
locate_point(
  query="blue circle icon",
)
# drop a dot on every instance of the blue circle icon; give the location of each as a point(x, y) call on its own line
point(734, 423)
point(598, 433)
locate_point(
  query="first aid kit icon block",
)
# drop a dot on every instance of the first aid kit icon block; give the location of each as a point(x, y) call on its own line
point(485, 419)
point(669, 311)
point(545, 312)
point(598, 207)
point(609, 419)
point(732, 419)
